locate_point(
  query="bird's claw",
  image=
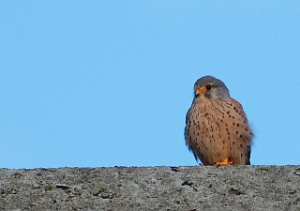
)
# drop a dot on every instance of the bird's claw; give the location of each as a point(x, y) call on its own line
point(225, 162)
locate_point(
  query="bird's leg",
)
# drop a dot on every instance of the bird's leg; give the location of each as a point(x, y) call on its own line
point(225, 162)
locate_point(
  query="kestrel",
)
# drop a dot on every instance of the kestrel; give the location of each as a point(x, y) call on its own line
point(217, 129)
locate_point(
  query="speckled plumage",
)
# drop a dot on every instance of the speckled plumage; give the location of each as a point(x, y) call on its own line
point(216, 125)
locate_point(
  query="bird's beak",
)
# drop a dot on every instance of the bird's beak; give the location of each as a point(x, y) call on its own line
point(200, 90)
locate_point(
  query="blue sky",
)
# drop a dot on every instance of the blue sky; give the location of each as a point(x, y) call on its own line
point(106, 83)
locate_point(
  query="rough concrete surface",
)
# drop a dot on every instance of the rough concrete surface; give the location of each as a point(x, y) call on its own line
point(152, 188)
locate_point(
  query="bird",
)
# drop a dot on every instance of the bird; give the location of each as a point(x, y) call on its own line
point(217, 130)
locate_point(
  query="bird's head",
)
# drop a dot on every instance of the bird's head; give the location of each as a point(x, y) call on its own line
point(211, 88)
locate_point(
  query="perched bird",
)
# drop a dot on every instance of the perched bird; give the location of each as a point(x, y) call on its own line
point(217, 129)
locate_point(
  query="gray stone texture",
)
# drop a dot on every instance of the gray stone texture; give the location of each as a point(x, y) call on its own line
point(152, 188)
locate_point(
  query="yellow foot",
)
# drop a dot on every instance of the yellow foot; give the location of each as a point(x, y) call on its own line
point(225, 162)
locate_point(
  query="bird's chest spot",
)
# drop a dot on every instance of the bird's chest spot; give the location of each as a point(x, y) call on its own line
point(204, 118)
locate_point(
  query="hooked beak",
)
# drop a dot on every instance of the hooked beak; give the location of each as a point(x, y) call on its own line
point(200, 90)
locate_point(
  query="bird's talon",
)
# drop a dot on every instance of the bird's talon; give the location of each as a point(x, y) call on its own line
point(225, 162)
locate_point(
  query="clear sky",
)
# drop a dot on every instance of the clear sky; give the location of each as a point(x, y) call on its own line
point(106, 83)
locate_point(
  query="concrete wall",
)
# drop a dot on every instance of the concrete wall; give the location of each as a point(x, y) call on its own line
point(152, 188)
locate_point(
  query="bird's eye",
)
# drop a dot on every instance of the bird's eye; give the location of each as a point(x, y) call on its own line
point(208, 87)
